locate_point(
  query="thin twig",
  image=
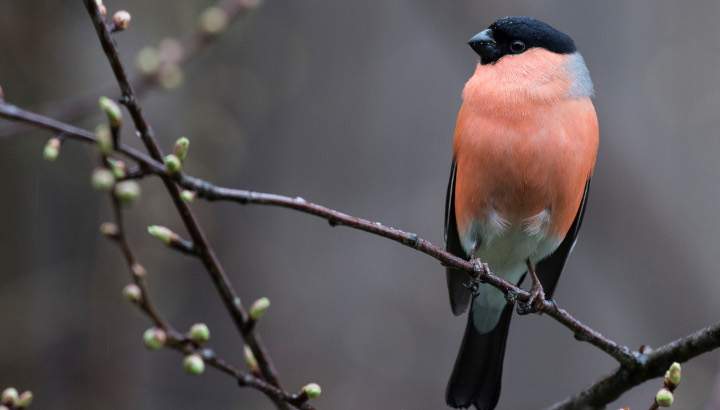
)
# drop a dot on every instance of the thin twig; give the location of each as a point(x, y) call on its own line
point(175, 340)
point(204, 251)
point(652, 365)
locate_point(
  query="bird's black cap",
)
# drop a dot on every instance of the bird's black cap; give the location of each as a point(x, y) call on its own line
point(514, 35)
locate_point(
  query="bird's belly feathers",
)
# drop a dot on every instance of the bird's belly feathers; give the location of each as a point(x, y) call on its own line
point(522, 178)
point(505, 254)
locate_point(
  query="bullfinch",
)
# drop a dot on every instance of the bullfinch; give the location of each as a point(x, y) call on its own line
point(523, 153)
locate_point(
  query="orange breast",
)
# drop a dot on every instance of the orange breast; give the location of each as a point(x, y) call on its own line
point(519, 153)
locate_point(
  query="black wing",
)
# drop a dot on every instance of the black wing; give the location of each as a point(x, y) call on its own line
point(550, 268)
point(459, 295)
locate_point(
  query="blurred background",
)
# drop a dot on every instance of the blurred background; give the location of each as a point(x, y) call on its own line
point(351, 105)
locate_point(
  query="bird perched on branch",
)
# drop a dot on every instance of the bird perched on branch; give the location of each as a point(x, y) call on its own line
point(523, 154)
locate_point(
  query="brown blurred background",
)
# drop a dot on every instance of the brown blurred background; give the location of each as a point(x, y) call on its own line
point(351, 105)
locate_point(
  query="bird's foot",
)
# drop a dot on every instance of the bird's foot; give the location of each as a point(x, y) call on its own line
point(537, 295)
point(479, 268)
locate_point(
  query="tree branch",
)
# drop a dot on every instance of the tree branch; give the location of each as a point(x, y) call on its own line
point(204, 251)
point(175, 340)
point(651, 365)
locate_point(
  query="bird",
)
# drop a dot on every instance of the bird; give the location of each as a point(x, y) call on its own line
point(524, 150)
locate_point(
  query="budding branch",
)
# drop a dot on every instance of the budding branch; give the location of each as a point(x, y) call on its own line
point(634, 367)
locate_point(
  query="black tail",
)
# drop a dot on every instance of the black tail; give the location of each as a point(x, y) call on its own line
point(477, 375)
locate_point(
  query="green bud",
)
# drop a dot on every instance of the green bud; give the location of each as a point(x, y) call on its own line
point(188, 196)
point(181, 148)
point(127, 191)
point(25, 399)
point(121, 20)
point(672, 376)
point(199, 333)
point(132, 292)
point(213, 20)
point(102, 179)
point(250, 359)
point(154, 338)
point(312, 390)
point(104, 140)
point(664, 397)
point(52, 149)
point(110, 107)
point(194, 364)
point(9, 396)
point(173, 164)
point(162, 233)
point(259, 307)
point(118, 168)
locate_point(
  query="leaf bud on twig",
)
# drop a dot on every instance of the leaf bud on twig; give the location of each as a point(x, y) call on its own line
point(312, 390)
point(102, 179)
point(154, 338)
point(173, 164)
point(664, 397)
point(24, 400)
point(259, 307)
point(132, 292)
point(194, 364)
point(52, 149)
point(188, 196)
point(121, 20)
point(181, 148)
point(9, 396)
point(672, 376)
point(163, 233)
point(199, 333)
point(138, 270)
point(104, 140)
point(127, 192)
point(111, 109)
point(250, 360)
point(118, 168)
point(109, 229)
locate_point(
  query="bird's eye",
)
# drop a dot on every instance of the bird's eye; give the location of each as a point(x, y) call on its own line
point(517, 46)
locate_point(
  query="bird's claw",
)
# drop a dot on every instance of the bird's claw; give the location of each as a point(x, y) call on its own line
point(535, 303)
point(479, 268)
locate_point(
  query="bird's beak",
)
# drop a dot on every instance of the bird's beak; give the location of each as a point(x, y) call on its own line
point(484, 44)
